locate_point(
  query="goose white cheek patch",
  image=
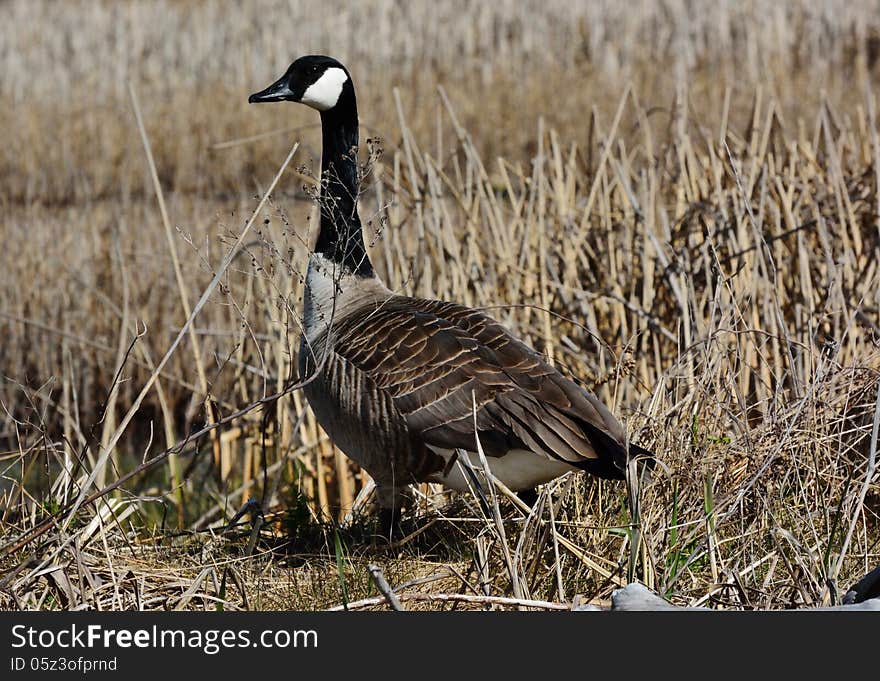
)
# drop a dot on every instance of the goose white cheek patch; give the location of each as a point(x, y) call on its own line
point(324, 92)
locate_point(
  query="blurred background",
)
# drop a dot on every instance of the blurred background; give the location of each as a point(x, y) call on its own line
point(67, 67)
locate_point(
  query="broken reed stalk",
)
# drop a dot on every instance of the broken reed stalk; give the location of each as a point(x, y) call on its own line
point(184, 301)
point(385, 589)
point(495, 509)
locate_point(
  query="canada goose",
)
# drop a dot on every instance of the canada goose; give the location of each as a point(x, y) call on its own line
point(398, 377)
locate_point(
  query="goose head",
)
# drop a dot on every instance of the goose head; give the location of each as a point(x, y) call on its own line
point(315, 80)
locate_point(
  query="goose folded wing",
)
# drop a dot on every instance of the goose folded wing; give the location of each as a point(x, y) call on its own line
point(593, 437)
point(435, 369)
point(434, 372)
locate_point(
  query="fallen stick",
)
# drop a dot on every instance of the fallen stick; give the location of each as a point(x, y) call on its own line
point(455, 598)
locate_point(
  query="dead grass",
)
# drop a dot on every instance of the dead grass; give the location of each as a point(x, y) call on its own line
point(684, 216)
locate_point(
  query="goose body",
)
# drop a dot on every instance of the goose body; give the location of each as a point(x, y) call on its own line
point(399, 378)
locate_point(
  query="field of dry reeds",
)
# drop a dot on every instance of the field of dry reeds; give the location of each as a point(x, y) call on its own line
point(676, 201)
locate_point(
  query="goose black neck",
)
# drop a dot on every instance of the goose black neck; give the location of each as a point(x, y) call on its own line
point(340, 238)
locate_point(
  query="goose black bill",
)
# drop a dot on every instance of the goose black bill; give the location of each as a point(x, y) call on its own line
point(278, 91)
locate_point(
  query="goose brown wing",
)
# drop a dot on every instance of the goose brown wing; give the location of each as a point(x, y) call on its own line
point(560, 398)
point(434, 359)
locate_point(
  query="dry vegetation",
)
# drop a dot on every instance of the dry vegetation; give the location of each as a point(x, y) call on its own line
point(678, 203)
